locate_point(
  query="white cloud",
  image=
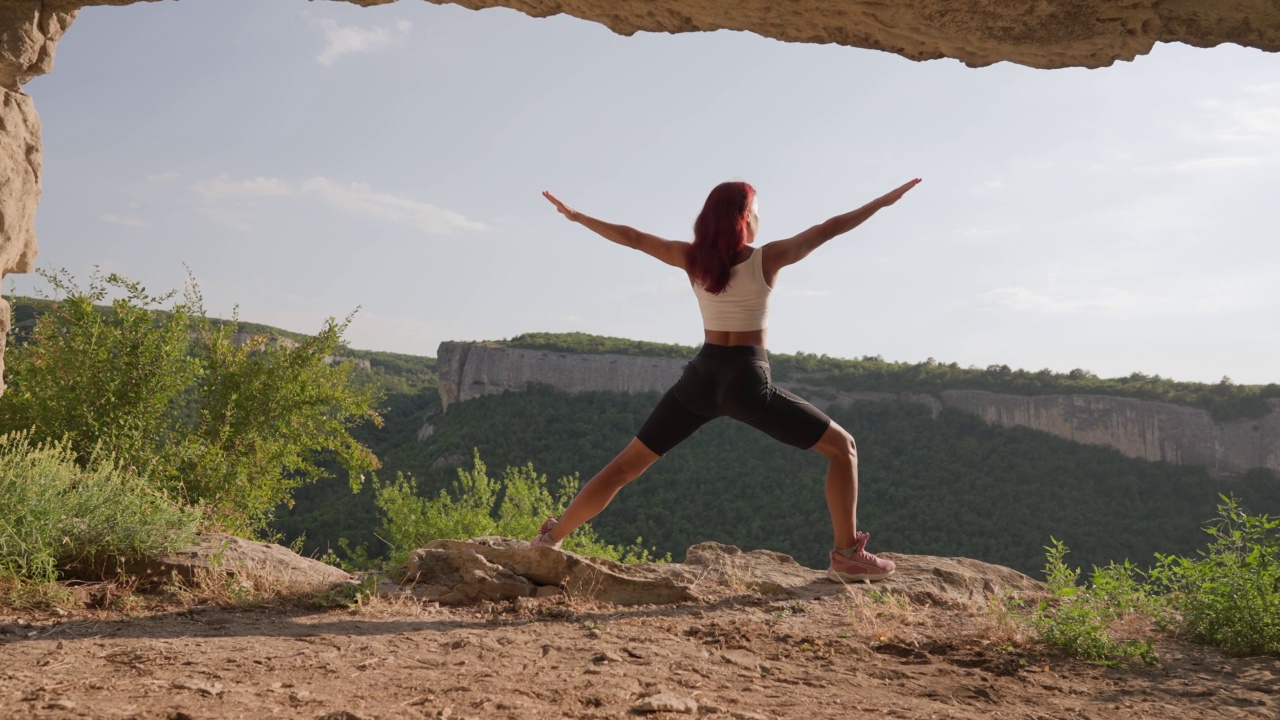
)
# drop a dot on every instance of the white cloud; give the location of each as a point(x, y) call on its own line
point(343, 40)
point(223, 188)
point(1259, 121)
point(1225, 161)
point(1263, 89)
point(124, 220)
point(1110, 302)
point(360, 199)
point(226, 216)
point(227, 200)
point(989, 187)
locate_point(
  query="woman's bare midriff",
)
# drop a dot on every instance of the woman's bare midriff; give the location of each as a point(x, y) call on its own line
point(734, 337)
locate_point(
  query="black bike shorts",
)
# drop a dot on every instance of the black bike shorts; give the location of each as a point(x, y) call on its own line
point(731, 381)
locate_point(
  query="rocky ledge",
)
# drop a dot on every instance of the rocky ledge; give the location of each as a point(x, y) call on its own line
point(494, 569)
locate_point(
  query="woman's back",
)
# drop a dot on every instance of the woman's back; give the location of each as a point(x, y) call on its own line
point(742, 307)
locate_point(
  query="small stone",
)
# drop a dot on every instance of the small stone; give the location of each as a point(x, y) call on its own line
point(213, 690)
point(666, 702)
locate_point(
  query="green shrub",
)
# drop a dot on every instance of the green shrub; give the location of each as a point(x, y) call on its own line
point(514, 505)
point(101, 376)
point(209, 418)
point(58, 514)
point(1078, 619)
point(1229, 596)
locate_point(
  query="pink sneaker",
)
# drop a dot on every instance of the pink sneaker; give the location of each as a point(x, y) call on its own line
point(544, 536)
point(862, 565)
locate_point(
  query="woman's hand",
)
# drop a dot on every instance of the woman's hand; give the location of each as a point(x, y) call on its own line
point(565, 210)
point(893, 196)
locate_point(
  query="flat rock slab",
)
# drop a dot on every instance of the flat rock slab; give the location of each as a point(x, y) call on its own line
point(595, 578)
point(495, 569)
point(262, 566)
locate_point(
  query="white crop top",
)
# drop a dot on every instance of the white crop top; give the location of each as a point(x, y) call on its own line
point(744, 304)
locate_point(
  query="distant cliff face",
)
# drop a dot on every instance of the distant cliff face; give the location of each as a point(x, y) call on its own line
point(1137, 428)
point(472, 370)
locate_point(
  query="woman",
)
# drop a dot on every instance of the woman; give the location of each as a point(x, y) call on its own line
point(730, 375)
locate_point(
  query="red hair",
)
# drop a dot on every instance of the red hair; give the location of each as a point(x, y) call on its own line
point(720, 231)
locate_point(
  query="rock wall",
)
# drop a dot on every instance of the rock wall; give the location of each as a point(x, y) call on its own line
point(28, 32)
point(1137, 428)
point(472, 370)
point(1149, 430)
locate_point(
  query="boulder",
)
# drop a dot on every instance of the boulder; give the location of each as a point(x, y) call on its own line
point(265, 567)
point(460, 575)
point(577, 576)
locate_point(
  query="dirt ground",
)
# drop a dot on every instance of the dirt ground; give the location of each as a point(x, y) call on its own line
point(831, 652)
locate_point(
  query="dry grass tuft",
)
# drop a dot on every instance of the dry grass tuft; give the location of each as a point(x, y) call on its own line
point(876, 615)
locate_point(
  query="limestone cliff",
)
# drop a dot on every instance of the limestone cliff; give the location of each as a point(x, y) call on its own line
point(1137, 428)
point(472, 370)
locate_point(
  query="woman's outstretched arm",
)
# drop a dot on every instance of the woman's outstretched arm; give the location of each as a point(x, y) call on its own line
point(671, 252)
point(782, 253)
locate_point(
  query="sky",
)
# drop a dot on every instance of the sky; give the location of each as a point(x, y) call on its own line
point(305, 159)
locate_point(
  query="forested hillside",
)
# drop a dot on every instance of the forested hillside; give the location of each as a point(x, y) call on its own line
point(954, 486)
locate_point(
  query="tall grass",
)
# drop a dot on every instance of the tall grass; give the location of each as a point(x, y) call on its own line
point(56, 514)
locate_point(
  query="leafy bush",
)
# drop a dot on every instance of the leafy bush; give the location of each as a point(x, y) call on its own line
point(1079, 618)
point(58, 513)
point(514, 505)
point(208, 417)
point(100, 377)
point(1229, 596)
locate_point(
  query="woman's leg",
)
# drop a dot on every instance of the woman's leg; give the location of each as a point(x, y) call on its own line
point(670, 424)
point(600, 490)
point(841, 452)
